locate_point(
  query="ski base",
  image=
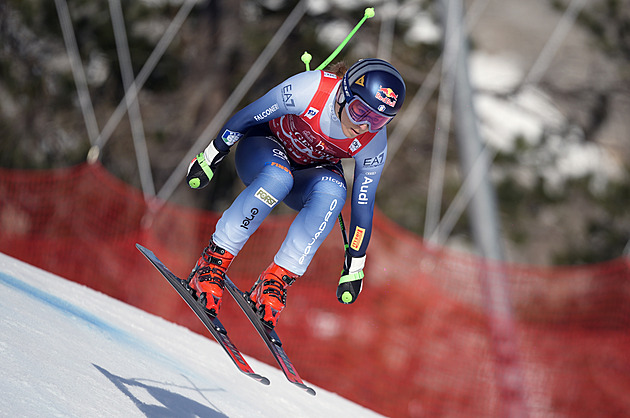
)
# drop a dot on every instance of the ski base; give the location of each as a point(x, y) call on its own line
point(269, 336)
point(213, 325)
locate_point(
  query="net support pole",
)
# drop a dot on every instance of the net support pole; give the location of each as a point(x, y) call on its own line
point(132, 92)
point(237, 95)
point(553, 44)
point(483, 214)
point(133, 107)
point(77, 70)
point(407, 118)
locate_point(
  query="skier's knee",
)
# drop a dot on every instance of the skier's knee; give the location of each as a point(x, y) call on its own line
point(333, 189)
point(279, 175)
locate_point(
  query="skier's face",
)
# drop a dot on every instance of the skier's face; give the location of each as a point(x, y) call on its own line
point(350, 129)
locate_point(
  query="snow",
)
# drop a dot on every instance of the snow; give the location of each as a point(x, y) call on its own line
point(423, 29)
point(333, 33)
point(557, 150)
point(66, 350)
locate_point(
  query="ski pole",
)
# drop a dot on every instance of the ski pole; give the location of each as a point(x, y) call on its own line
point(306, 57)
point(349, 285)
point(369, 12)
point(343, 232)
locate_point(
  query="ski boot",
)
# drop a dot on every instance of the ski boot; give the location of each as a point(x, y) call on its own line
point(269, 294)
point(208, 276)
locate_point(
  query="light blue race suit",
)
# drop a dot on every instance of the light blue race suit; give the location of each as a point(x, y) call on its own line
point(278, 162)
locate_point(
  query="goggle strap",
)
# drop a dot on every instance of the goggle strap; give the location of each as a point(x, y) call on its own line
point(341, 107)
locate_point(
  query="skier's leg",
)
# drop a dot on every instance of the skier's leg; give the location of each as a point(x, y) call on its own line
point(263, 166)
point(319, 194)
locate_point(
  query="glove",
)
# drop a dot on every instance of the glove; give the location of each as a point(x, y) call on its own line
point(351, 281)
point(202, 167)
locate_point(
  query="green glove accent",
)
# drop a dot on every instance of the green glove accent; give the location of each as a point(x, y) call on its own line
point(201, 159)
point(198, 171)
point(194, 183)
point(349, 287)
point(352, 277)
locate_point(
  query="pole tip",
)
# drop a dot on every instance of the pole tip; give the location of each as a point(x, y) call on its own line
point(306, 59)
point(93, 154)
point(369, 12)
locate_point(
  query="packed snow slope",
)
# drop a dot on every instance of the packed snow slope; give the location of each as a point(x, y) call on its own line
point(66, 350)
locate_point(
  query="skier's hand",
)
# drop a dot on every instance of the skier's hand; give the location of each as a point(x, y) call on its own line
point(202, 167)
point(351, 281)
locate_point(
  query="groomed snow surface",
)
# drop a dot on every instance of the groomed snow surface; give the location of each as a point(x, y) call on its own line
point(68, 351)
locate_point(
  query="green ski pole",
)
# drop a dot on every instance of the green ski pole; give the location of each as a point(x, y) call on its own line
point(306, 57)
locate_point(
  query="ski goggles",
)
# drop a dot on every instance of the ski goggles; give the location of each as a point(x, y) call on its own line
point(360, 113)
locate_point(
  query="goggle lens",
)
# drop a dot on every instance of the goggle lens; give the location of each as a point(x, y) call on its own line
point(360, 113)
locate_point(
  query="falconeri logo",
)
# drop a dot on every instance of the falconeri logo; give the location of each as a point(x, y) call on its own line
point(266, 197)
point(267, 112)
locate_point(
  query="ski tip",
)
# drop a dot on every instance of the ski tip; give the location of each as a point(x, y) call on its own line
point(145, 251)
point(306, 389)
point(262, 379)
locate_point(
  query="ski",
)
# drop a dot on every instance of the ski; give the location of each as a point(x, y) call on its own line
point(269, 336)
point(213, 325)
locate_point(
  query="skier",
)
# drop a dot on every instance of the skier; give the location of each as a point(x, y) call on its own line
point(290, 143)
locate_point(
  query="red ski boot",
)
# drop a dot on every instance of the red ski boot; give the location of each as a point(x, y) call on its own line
point(270, 293)
point(208, 276)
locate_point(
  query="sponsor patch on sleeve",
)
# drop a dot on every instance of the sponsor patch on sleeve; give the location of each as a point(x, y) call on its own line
point(230, 137)
point(357, 238)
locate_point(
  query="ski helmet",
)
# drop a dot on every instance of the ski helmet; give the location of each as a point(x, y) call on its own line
point(379, 86)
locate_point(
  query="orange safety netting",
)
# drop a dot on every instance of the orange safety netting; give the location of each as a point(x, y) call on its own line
point(418, 342)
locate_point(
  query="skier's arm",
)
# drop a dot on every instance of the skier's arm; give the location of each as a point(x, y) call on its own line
point(369, 163)
point(289, 97)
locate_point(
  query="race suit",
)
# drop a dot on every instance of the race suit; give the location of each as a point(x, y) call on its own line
point(290, 143)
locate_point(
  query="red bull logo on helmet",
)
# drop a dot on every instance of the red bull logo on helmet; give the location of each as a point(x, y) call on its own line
point(387, 96)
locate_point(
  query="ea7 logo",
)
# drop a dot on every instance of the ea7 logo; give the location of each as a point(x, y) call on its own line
point(374, 161)
point(287, 96)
